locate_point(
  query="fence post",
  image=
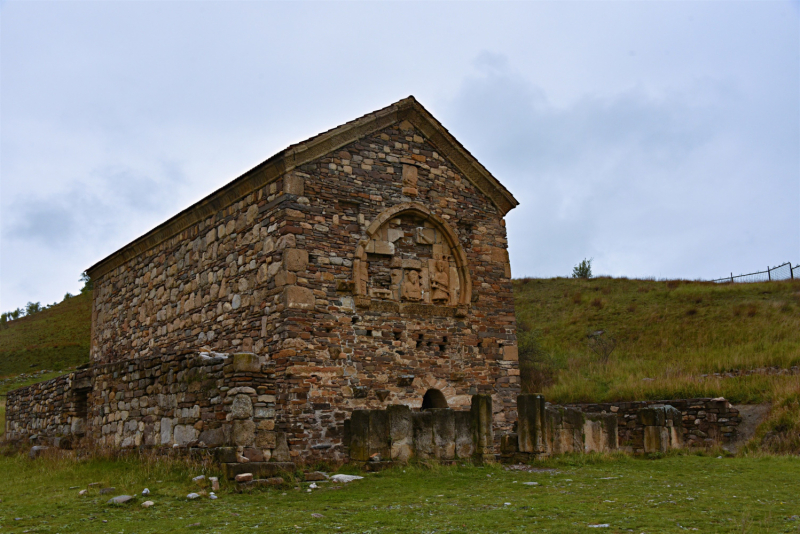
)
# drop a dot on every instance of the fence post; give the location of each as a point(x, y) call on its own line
point(731, 278)
point(791, 271)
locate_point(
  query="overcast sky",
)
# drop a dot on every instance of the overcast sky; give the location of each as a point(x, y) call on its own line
point(661, 139)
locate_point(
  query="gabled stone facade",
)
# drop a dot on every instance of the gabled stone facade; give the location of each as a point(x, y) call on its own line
point(362, 268)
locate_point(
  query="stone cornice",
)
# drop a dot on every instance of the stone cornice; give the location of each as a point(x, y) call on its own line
point(301, 153)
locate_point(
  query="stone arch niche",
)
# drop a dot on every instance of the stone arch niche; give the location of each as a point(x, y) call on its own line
point(412, 256)
point(433, 399)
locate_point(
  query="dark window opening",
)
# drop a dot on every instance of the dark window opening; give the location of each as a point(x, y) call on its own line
point(433, 399)
point(82, 402)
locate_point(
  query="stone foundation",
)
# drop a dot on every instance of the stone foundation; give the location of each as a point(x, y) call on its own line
point(704, 422)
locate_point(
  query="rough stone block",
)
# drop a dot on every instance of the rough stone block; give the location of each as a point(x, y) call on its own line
point(266, 439)
point(482, 429)
point(401, 432)
point(464, 446)
point(225, 455)
point(299, 298)
point(244, 433)
point(425, 236)
point(245, 362)
point(185, 434)
point(530, 423)
point(509, 444)
point(258, 469)
point(295, 259)
point(253, 454)
point(212, 437)
point(444, 433)
point(510, 353)
point(377, 246)
point(379, 433)
point(293, 185)
point(285, 278)
point(166, 430)
point(423, 434)
point(281, 451)
point(656, 439)
point(359, 435)
point(242, 407)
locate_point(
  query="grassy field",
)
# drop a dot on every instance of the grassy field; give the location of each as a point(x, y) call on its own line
point(54, 339)
point(671, 338)
point(672, 494)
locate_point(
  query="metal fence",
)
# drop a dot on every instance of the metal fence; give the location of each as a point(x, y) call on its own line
point(781, 272)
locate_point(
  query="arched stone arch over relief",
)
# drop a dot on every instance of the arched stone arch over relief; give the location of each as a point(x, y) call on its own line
point(412, 255)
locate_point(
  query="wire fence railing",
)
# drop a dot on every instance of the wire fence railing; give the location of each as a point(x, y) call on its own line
point(781, 272)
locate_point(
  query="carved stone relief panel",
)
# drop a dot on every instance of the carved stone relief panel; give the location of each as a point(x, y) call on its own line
point(408, 259)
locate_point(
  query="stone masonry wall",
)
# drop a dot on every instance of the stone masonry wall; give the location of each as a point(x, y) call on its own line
point(706, 422)
point(346, 316)
point(47, 408)
point(376, 345)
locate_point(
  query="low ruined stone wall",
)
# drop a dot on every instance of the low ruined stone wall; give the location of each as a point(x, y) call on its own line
point(398, 434)
point(705, 422)
point(180, 400)
point(46, 409)
point(544, 430)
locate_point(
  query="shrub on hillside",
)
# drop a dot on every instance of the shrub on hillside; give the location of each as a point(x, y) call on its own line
point(583, 269)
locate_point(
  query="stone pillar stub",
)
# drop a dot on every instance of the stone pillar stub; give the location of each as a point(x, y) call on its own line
point(482, 431)
point(530, 423)
point(379, 433)
point(444, 433)
point(423, 434)
point(464, 446)
point(359, 435)
point(401, 432)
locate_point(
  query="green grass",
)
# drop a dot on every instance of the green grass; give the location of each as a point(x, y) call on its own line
point(669, 334)
point(55, 339)
point(742, 495)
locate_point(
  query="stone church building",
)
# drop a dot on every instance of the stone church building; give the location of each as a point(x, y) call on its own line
point(362, 268)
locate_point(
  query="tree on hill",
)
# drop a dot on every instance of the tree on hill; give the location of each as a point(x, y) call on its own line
point(88, 283)
point(583, 269)
point(11, 316)
point(33, 307)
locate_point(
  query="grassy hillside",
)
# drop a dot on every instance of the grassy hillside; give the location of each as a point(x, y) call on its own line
point(671, 338)
point(55, 338)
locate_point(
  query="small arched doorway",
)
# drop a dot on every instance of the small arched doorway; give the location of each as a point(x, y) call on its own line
point(433, 399)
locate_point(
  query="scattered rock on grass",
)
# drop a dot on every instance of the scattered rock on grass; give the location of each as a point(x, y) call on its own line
point(36, 451)
point(199, 479)
point(83, 492)
point(315, 476)
point(106, 491)
point(145, 491)
point(193, 496)
point(345, 478)
point(120, 499)
point(600, 525)
point(214, 483)
point(147, 504)
point(317, 516)
point(244, 477)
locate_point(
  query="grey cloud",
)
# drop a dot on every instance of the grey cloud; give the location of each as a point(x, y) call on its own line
point(649, 185)
point(99, 208)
